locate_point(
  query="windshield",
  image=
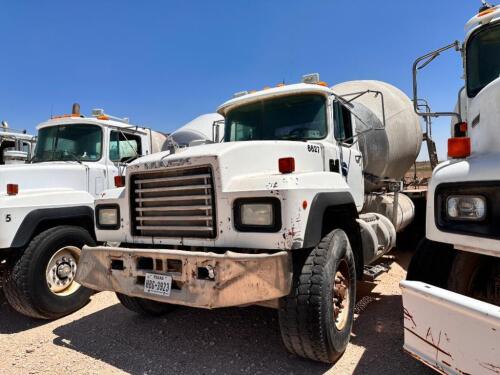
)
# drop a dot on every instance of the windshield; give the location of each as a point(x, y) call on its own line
point(77, 142)
point(297, 117)
point(483, 59)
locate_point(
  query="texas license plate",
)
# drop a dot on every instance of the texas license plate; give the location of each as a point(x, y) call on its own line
point(158, 284)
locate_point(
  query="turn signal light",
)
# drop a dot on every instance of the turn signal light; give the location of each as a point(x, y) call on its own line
point(12, 189)
point(459, 147)
point(286, 165)
point(485, 12)
point(119, 181)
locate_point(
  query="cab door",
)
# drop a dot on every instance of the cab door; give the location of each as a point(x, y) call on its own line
point(350, 157)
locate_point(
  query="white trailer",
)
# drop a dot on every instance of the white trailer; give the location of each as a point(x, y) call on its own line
point(452, 294)
point(272, 216)
point(47, 206)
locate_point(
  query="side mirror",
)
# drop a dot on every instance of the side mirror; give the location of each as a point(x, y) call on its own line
point(216, 130)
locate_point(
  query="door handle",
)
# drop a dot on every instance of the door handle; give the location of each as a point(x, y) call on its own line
point(357, 158)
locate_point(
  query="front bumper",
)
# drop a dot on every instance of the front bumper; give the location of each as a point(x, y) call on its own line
point(449, 332)
point(200, 279)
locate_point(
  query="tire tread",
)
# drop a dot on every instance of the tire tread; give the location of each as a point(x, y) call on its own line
point(301, 312)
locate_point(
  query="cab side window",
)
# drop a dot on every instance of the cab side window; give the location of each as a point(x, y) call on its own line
point(342, 123)
point(124, 147)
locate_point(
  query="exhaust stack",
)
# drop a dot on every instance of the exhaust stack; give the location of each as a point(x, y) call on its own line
point(75, 110)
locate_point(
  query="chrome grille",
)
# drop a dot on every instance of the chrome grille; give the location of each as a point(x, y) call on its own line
point(173, 203)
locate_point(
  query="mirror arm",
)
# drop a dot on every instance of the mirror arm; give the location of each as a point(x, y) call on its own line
point(417, 65)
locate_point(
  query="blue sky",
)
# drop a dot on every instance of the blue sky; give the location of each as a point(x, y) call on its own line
point(162, 63)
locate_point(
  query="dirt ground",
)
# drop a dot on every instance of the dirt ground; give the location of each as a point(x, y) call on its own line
point(105, 338)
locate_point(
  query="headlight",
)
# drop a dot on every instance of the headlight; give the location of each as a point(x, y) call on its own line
point(257, 214)
point(108, 217)
point(466, 207)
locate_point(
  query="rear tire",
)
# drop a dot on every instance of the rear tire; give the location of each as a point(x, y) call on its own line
point(431, 263)
point(26, 286)
point(316, 318)
point(145, 306)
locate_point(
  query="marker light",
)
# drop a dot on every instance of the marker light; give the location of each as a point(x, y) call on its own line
point(66, 116)
point(485, 12)
point(12, 189)
point(119, 181)
point(286, 165)
point(459, 147)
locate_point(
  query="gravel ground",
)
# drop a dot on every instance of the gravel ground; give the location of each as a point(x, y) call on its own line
point(105, 338)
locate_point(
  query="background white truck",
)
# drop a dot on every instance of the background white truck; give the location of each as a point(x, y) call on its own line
point(16, 147)
point(47, 206)
point(452, 296)
point(286, 212)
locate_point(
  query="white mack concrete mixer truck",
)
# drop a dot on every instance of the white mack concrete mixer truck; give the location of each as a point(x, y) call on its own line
point(452, 293)
point(47, 206)
point(273, 215)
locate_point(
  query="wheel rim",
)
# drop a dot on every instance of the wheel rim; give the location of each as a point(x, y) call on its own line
point(61, 271)
point(341, 295)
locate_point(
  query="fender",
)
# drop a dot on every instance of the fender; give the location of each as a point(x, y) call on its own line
point(320, 203)
point(30, 223)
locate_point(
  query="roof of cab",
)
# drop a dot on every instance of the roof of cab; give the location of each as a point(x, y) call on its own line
point(297, 88)
point(87, 120)
point(482, 18)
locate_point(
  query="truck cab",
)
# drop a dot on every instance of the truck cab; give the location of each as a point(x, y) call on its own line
point(47, 206)
point(453, 279)
point(272, 214)
point(16, 147)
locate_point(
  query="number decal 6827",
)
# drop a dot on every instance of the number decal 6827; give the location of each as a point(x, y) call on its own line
point(313, 148)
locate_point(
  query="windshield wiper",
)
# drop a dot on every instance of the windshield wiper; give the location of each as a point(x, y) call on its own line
point(74, 156)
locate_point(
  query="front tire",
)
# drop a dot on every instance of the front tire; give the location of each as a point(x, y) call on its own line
point(40, 284)
point(431, 263)
point(316, 317)
point(476, 276)
point(144, 306)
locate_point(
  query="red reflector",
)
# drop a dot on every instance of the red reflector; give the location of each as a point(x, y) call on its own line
point(286, 165)
point(12, 189)
point(119, 181)
point(459, 147)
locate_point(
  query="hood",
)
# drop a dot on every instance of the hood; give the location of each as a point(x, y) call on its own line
point(237, 161)
point(40, 176)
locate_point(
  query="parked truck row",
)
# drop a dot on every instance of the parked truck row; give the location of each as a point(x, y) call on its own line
point(283, 198)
